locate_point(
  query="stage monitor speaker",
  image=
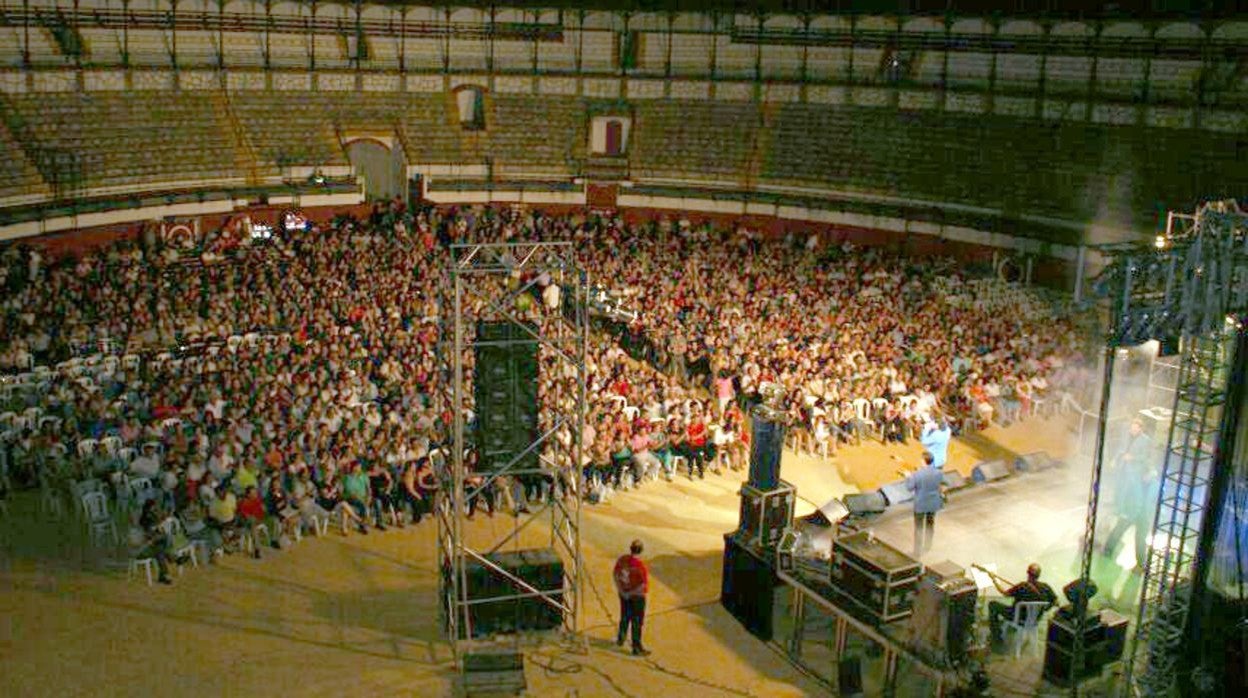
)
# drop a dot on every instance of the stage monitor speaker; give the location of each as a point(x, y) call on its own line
point(990, 470)
point(896, 493)
point(830, 513)
point(767, 433)
point(748, 587)
point(954, 480)
point(505, 395)
point(1035, 462)
point(865, 503)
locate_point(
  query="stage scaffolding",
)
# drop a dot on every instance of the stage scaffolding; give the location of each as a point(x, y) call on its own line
point(496, 283)
point(1190, 286)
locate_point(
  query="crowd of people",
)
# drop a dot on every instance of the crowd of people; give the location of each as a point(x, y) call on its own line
point(288, 382)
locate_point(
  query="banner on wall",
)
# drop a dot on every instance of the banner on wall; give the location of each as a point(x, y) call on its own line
point(294, 220)
point(180, 233)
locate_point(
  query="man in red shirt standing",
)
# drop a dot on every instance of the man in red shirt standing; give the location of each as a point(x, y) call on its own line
point(632, 581)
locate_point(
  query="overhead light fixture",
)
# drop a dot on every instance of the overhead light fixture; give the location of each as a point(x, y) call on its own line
point(1161, 242)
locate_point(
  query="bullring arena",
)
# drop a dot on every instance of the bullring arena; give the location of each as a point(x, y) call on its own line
point(313, 311)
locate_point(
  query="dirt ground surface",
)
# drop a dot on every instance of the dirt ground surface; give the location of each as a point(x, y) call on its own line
point(357, 615)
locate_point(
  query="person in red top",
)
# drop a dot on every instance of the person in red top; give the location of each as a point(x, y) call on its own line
point(251, 516)
point(632, 582)
point(695, 438)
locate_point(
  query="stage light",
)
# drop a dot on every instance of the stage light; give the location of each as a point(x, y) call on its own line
point(1161, 242)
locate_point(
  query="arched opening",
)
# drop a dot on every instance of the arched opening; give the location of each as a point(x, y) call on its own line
point(615, 137)
point(381, 169)
point(470, 100)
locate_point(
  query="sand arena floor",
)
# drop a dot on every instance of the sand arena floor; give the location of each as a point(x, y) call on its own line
point(357, 615)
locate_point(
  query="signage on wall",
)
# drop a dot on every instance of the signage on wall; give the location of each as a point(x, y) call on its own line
point(180, 233)
point(293, 220)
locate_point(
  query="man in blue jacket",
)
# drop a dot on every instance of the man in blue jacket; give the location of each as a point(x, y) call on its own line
point(935, 439)
point(925, 483)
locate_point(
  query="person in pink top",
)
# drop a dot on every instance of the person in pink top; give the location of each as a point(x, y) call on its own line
point(724, 392)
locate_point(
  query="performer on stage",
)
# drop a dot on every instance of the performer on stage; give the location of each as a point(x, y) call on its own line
point(935, 440)
point(1135, 490)
point(926, 484)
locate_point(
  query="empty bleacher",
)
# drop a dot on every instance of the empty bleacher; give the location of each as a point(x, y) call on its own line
point(1067, 170)
point(303, 127)
point(538, 132)
point(122, 139)
point(288, 128)
point(18, 177)
point(678, 138)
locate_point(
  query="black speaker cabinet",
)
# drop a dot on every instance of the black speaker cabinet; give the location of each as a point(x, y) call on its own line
point(944, 615)
point(767, 435)
point(766, 514)
point(1060, 667)
point(866, 503)
point(748, 587)
point(540, 568)
point(505, 395)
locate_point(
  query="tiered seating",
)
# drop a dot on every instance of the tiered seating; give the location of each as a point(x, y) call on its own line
point(301, 127)
point(692, 138)
point(149, 47)
point(18, 177)
point(537, 131)
point(289, 128)
point(1078, 171)
point(433, 134)
point(126, 139)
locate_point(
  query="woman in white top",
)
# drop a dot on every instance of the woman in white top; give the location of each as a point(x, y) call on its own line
point(723, 437)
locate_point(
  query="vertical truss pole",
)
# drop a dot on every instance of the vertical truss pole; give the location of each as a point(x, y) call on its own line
point(1089, 525)
point(1183, 497)
point(1223, 469)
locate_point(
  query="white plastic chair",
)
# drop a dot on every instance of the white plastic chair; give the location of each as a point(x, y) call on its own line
point(250, 537)
point(86, 447)
point(146, 563)
point(141, 489)
point(1024, 624)
point(99, 523)
point(82, 488)
point(172, 527)
point(111, 444)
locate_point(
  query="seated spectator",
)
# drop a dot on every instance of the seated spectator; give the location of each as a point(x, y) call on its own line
point(251, 516)
point(155, 537)
point(280, 509)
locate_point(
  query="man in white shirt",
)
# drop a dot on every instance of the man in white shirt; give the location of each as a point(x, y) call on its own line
point(147, 464)
point(551, 296)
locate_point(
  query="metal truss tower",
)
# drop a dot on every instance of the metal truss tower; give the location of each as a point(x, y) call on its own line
point(1192, 285)
point(497, 283)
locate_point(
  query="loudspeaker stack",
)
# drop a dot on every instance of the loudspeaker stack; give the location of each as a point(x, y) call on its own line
point(749, 574)
point(505, 395)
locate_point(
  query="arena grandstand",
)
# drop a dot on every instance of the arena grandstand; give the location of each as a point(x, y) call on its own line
point(233, 240)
